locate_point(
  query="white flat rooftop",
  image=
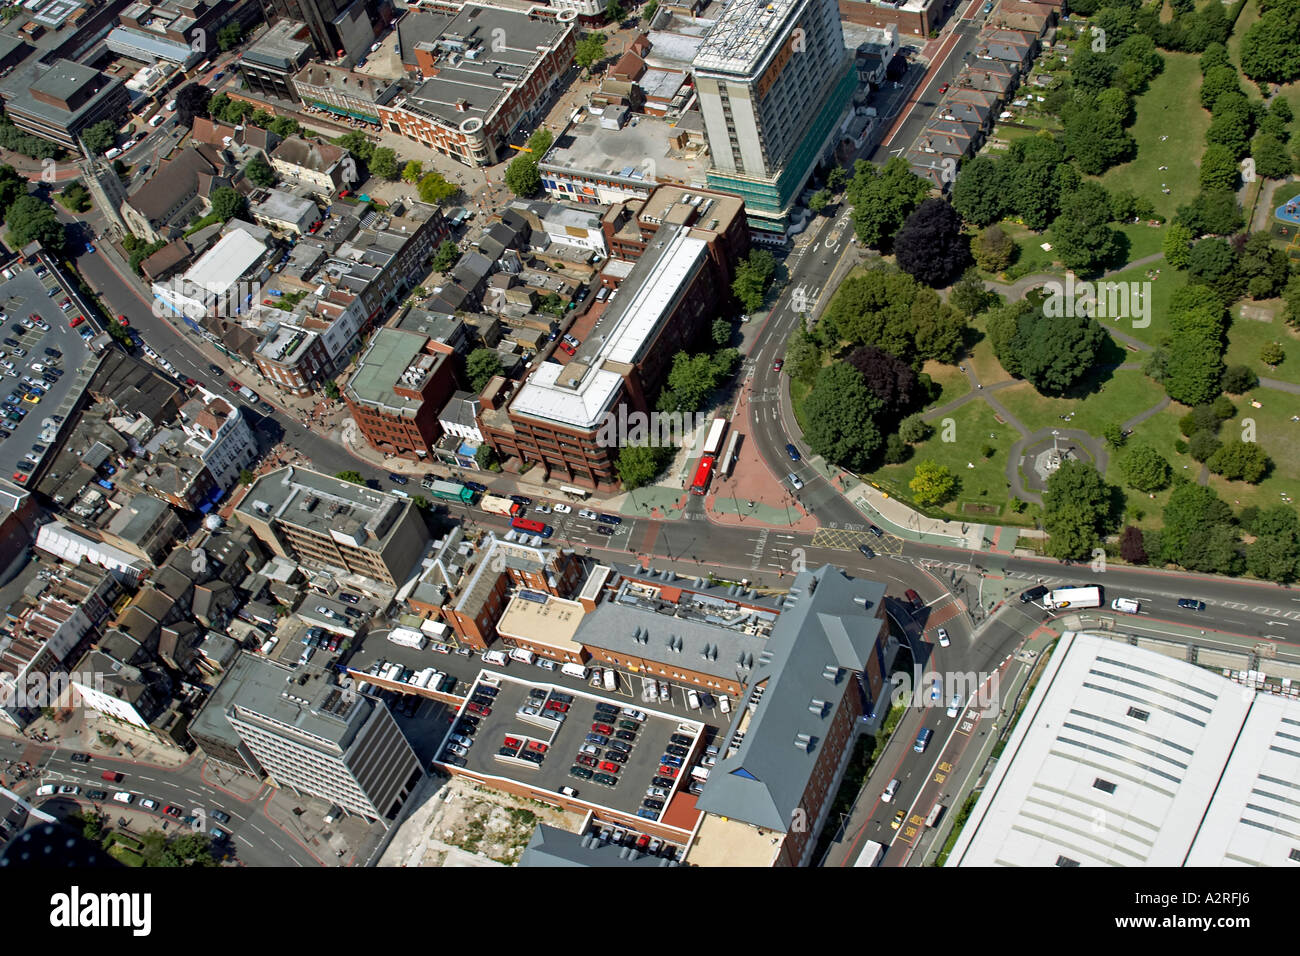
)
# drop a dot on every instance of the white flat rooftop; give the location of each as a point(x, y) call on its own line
point(227, 262)
point(743, 33)
point(579, 393)
point(1127, 757)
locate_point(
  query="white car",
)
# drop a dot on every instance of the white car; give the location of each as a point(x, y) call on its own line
point(954, 705)
point(795, 481)
point(943, 638)
point(664, 691)
point(588, 514)
point(171, 107)
point(462, 740)
point(562, 509)
point(693, 699)
point(149, 804)
point(542, 510)
point(128, 144)
point(891, 788)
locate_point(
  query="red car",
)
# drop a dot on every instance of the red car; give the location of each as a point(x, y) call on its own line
point(76, 322)
point(512, 742)
point(586, 760)
point(568, 349)
point(778, 365)
point(559, 705)
point(605, 729)
point(609, 766)
point(172, 811)
point(480, 709)
point(233, 385)
point(20, 477)
point(124, 323)
point(190, 382)
point(667, 771)
point(536, 746)
point(944, 88)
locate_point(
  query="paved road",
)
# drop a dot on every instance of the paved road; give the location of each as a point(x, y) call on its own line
point(122, 295)
point(257, 840)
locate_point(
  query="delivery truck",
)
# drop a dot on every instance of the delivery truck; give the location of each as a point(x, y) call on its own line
point(1073, 598)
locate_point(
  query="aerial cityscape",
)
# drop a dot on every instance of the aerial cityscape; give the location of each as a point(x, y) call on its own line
point(875, 424)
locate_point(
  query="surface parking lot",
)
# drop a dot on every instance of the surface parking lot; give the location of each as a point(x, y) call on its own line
point(564, 739)
point(21, 298)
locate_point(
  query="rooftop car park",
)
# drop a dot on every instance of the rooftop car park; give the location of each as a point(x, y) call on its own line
point(595, 750)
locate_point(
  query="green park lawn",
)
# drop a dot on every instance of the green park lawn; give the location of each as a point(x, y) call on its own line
point(1279, 436)
point(1171, 108)
point(983, 361)
point(1123, 395)
point(1161, 432)
point(1162, 290)
point(985, 484)
point(1247, 336)
point(952, 380)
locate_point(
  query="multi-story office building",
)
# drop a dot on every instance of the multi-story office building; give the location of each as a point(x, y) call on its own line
point(270, 62)
point(307, 733)
point(775, 82)
point(329, 523)
point(561, 416)
point(400, 384)
point(334, 25)
point(60, 101)
point(178, 31)
point(488, 71)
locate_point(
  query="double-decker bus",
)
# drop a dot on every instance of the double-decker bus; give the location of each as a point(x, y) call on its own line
point(531, 526)
point(703, 475)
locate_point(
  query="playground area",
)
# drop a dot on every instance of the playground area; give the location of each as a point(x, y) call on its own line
point(1286, 223)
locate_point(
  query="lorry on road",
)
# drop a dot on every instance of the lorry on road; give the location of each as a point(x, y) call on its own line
point(872, 852)
point(1072, 598)
point(494, 504)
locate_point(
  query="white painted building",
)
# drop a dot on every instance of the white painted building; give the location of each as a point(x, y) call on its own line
point(217, 434)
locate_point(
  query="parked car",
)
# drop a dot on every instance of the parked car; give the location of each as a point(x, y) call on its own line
point(582, 773)
point(943, 638)
point(664, 782)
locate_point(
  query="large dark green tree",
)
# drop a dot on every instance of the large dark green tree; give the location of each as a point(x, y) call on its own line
point(1078, 509)
point(839, 413)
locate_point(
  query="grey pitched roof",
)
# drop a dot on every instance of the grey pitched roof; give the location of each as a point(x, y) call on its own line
point(551, 846)
point(823, 638)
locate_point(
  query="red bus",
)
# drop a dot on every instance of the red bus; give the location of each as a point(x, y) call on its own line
point(530, 526)
point(703, 473)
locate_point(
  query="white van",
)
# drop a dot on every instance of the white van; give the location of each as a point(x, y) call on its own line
point(1127, 605)
point(693, 699)
point(495, 657)
point(46, 790)
point(157, 120)
point(935, 813)
point(574, 670)
point(522, 655)
point(269, 646)
point(891, 788)
point(123, 797)
point(611, 679)
point(113, 153)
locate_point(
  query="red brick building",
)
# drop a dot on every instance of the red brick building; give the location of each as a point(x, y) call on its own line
point(401, 382)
